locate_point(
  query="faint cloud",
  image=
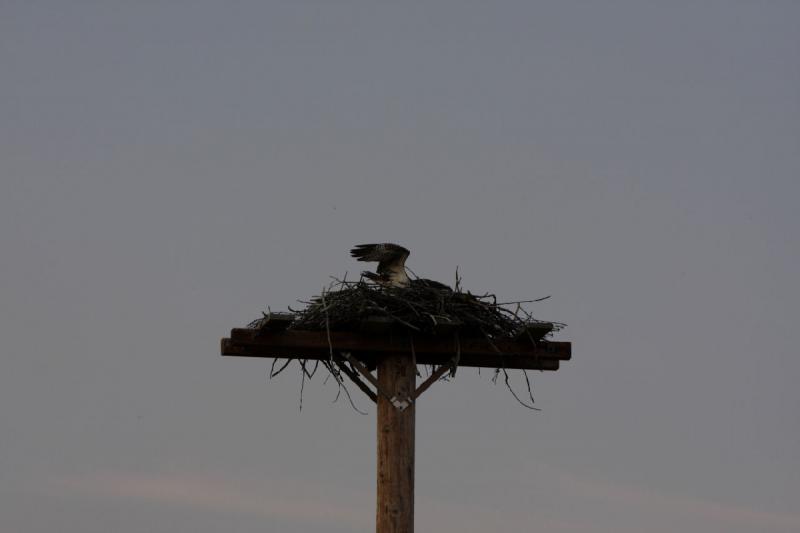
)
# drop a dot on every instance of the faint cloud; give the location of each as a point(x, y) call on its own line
point(289, 500)
point(446, 517)
point(311, 502)
point(655, 502)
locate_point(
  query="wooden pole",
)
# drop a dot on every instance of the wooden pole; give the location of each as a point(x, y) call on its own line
point(397, 377)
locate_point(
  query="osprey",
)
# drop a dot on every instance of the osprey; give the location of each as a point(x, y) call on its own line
point(391, 271)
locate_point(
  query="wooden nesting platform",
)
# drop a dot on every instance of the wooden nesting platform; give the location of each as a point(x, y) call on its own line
point(379, 337)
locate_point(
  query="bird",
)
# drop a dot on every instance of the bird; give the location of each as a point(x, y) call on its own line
point(391, 259)
point(391, 271)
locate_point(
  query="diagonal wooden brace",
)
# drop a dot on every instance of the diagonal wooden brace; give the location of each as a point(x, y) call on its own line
point(401, 404)
point(355, 379)
point(433, 378)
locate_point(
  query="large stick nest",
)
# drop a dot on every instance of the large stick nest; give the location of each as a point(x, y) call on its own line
point(423, 307)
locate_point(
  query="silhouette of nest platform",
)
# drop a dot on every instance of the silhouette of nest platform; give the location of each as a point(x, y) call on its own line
point(356, 323)
point(367, 320)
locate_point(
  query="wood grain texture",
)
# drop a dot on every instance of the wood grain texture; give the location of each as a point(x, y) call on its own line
point(395, 499)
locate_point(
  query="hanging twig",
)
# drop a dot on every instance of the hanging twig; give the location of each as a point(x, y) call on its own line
point(273, 372)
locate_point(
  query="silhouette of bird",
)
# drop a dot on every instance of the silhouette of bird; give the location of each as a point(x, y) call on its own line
point(391, 271)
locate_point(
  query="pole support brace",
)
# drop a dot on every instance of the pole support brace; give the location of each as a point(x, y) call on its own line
point(401, 404)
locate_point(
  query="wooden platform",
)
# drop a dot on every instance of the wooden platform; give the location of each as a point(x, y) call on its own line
point(522, 353)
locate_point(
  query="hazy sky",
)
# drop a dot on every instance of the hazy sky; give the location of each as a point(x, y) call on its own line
point(170, 169)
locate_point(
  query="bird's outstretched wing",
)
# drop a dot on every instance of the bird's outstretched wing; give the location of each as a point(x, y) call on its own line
point(389, 256)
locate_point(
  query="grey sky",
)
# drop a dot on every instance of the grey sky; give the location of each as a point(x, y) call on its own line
point(169, 169)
